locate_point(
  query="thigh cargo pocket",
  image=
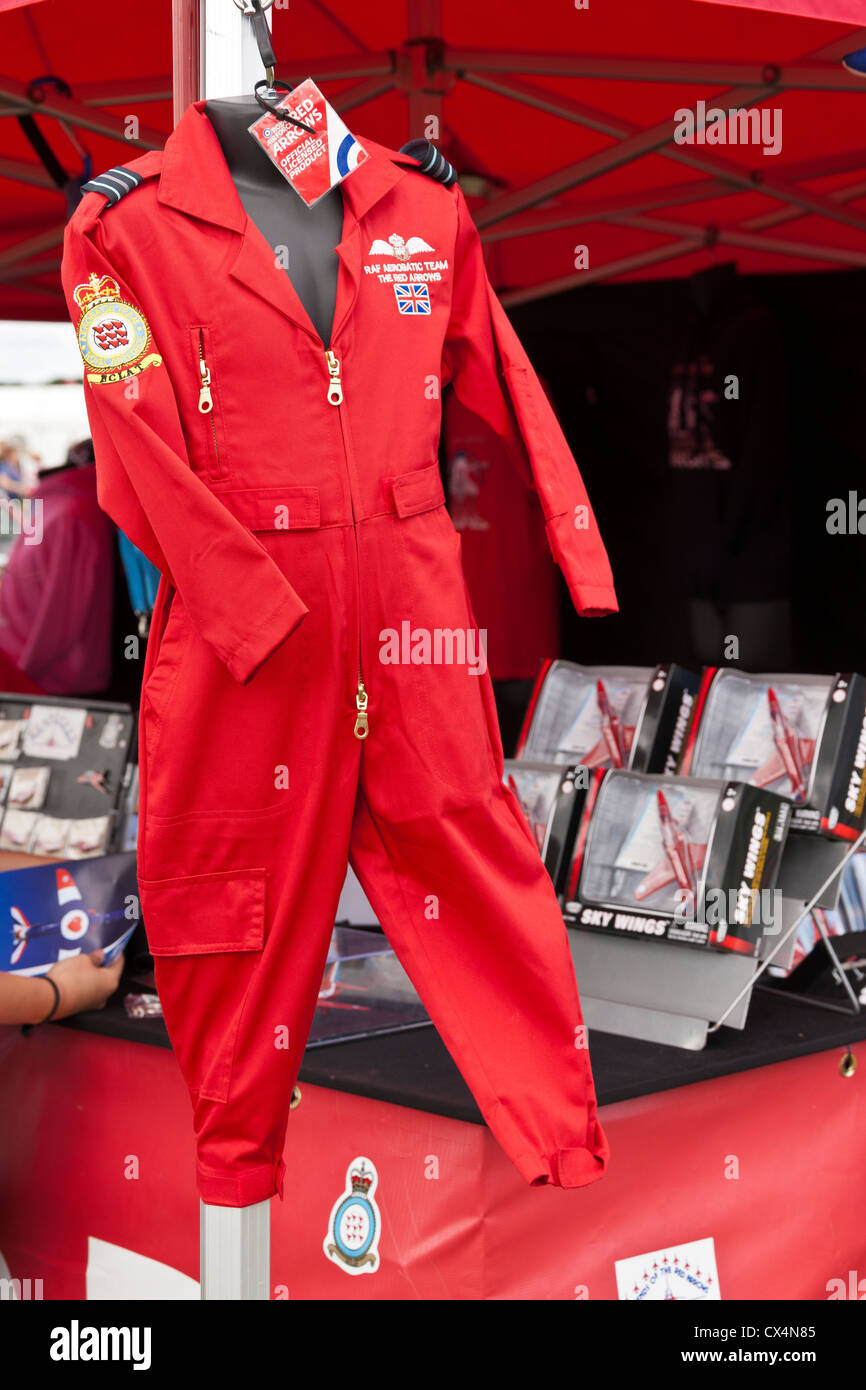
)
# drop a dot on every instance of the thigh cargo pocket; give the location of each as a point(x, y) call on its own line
point(205, 914)
point(206, 933)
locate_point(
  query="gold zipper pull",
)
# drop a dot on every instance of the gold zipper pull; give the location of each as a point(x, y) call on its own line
point(362, 726)
point(335, 385)
point(205, 399)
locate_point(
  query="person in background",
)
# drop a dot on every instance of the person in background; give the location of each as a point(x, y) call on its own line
point(56, 596)
point(71, 986)
point(12, 481)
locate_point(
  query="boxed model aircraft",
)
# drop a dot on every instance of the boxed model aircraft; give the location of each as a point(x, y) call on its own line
point(609, 716)
point(801, 736)
point(693, 860)
point(551, 798)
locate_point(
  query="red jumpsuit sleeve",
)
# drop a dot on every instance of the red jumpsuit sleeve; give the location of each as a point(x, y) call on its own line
point(493, 377)
point(234, 593)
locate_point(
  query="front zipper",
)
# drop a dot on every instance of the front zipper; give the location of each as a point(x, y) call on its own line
point(362, 725)
point(205, 396)
point(335, 398)
point(335, 384)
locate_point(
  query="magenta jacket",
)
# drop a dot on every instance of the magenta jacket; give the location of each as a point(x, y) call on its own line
point(56, 596)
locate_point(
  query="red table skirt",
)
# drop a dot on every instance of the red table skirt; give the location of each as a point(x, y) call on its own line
point(96, 1148)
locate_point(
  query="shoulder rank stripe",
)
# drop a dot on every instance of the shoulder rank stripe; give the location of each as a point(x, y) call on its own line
point(114, 184)
point(431, 161)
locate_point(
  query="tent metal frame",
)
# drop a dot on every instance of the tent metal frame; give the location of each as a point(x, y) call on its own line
point(424, 69)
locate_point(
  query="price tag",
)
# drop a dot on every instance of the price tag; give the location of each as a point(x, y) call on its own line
point(312, 164)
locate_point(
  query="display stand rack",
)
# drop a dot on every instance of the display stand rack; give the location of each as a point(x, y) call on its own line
point(674, 994)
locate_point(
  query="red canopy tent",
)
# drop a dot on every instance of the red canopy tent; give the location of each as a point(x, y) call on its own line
point(563, 130)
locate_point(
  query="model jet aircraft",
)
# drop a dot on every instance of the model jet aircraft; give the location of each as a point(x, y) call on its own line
point(616, 739)
point(682, 859)
point(98, 780)
point(537, 815)
point(793, 755)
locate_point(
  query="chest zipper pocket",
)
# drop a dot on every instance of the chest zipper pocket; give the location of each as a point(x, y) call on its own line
point(214, 449)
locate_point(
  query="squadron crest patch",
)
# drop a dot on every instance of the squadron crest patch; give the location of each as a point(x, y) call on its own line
point(113, 336)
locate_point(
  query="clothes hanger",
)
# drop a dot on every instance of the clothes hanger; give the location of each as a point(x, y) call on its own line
point(269, 83)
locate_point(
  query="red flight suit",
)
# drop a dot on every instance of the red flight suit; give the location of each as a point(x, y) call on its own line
point(307, 505)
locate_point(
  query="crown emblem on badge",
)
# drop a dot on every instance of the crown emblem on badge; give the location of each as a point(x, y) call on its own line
point(361, 1180)
point(95, 289)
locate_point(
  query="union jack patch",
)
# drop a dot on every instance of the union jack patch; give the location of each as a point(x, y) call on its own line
point(412, 299)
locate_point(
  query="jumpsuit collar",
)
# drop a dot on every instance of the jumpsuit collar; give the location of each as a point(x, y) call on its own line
point(195, 179)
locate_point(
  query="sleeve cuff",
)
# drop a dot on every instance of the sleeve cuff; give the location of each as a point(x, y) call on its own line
point(254, 651)
point(593, 600)
point(581, 553)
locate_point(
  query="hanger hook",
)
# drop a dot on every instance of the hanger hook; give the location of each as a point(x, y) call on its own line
point(255, 9)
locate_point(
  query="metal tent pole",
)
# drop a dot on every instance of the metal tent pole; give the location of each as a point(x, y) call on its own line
point(236, 1252)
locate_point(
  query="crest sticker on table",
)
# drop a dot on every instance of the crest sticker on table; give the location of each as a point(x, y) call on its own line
point(354, 1226)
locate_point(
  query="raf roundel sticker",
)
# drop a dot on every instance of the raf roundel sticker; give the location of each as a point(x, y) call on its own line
point(113, 336)
point(349, 154)
point(74, 924)
point(353, 1230)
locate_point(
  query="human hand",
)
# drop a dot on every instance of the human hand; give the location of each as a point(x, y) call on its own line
point(84, 983)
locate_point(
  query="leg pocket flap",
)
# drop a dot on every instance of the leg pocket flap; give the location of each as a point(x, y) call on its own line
point(205, 913)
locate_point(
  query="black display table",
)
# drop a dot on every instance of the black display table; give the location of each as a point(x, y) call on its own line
point(413, 1068)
